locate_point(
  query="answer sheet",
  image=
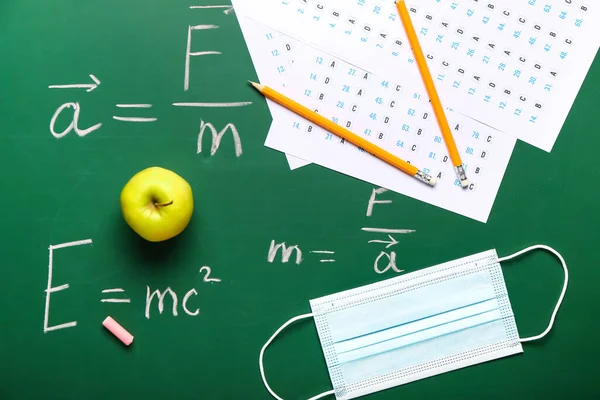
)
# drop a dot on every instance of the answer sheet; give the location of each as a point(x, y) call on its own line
point(515, 65)
point(395, 115)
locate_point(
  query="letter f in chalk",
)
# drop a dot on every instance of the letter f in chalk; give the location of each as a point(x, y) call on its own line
point(189, 54)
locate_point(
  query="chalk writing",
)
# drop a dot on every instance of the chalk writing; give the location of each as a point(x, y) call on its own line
point(216, 135)
point(88, 86)
point(214, 105)
point(227, 8)
point(390, 265)
point(134, 119)
point(286, 252)
point(117, 295)
point(373, 201)
point(53, 289)
point(161, 300)
point(216, 138)
point(119, 300)
point(207, 277)
point(161, 297)
point(74, 122)
point(175, 302)
point(385, 230)
point(185, 300)
point(325, 260)
point(189, 54)
point(134, 105)
point(390, 243)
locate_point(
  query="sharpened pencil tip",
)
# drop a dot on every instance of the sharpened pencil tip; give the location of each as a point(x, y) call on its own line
point(257, 86)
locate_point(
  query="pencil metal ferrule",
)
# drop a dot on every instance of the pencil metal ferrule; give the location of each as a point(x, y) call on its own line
point(462, 176)
point(425, 178)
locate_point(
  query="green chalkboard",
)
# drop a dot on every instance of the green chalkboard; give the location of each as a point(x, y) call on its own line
point(60, 190)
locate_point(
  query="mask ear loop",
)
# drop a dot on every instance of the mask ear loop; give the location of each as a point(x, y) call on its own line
point(262, 353)
point(562, 294)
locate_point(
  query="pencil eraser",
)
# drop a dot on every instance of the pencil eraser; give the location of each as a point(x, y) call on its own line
point(433, 181)
point(117, 330)
point(464, 183)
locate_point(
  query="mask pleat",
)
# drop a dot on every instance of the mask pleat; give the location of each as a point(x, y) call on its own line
point(402, 307)
point(402, 336)
point(408, 358)
point(417, 331)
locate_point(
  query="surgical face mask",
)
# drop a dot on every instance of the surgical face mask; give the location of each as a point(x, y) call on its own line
point(417, 325)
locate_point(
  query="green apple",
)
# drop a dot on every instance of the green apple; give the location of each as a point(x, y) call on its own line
point(157, 204)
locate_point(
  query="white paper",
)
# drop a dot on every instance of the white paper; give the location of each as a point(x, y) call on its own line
point(259, 50)
point(295, 162)
point(397, 118)
point(515, 65)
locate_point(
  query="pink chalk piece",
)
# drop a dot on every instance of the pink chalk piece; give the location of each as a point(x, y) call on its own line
point(117, 330)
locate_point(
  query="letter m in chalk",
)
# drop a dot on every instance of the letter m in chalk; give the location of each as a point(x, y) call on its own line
point(217, 136)
point(161, 300)
point(286, 252)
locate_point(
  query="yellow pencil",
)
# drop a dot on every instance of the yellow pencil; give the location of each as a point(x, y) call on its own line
point(344, 133)
point(432, 92)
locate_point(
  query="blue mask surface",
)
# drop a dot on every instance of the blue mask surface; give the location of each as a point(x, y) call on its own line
point(417, 325)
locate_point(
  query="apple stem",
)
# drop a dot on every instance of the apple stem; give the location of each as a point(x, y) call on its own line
point(163, 204)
